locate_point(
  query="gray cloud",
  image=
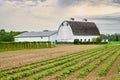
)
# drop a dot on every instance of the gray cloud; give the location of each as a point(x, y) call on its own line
point(109, 19)
point(23, 2)
point(26, 0)
point(67, 3)
point(43, 0)
point(116, 1)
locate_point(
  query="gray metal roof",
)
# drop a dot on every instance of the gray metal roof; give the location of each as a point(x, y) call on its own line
point(37, 34)
point(83, 28)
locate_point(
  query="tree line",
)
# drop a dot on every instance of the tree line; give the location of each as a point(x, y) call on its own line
point(112, 37)
point(8, 36)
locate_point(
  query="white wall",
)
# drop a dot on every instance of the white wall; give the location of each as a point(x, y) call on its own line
point(31, 39)
point(105, 40)
point(53, 37)
point(65, 33)
point(85, 37)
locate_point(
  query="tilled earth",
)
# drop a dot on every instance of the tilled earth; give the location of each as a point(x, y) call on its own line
point(16, 58)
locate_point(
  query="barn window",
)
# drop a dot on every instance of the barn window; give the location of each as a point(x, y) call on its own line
point(84, 40)
point(80, 40)
point(67, 24)
point(62, 24)
point(88, 40)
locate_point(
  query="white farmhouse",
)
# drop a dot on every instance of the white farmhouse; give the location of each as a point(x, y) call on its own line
point(84, 31)
point(36, 36)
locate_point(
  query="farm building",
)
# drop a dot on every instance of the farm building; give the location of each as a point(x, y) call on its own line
point(36, 36)
point(105, 39)
point(84, 31)
point(67, 32)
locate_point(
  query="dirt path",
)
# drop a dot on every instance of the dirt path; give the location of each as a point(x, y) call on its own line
point(14, 58)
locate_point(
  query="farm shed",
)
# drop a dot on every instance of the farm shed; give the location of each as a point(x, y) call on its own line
point(84, 31)
point(105, 39)
point(36, 36)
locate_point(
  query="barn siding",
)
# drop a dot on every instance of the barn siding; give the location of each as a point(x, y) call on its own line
point(85, 37)
point(31, 39)
point(53, 37)
point(65, 33)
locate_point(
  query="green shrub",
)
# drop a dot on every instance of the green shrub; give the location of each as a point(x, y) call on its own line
point(76, 41)
point(119, 69)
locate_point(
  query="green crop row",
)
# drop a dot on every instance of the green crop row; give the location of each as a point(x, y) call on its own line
point(85, 71)
point(53, 59)
point(105, 68)
point(53, 70)
point(38, 65)
point(74, 68)
point(27, 73)
point(119, 69)
point(57, 63)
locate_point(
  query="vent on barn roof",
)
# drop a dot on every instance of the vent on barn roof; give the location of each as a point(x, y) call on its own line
point(85, 20)
point(72, 19)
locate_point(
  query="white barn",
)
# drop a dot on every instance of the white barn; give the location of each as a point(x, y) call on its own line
point(36, 36)
point(84, 31)
point(67, 32)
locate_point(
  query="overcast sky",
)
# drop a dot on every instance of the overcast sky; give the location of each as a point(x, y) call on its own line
point(38, 15)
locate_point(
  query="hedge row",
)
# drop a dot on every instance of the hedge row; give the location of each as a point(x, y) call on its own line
point(24, 45)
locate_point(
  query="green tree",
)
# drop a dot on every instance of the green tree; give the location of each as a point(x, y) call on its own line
point(117, 38)
point(99, 39)
point(8, 36)
point(93, 39)
point(45, 30)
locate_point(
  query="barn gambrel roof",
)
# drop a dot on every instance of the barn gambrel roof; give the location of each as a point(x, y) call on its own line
point(36, 34)
point(83, 28)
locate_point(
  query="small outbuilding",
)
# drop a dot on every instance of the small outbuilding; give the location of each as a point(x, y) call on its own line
point(36, 36)
point(105, 39)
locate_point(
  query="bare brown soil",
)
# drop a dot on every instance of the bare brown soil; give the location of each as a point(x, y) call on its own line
point(15, 58)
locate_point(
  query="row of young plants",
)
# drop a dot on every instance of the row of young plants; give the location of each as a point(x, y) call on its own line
point(24, 45)
point(106, 67)
point(30, 72)
point(53, 59)
point(119, 69)
point(76, 67)
point(37, 65)
point(55, 69)
point(88, 69)
point(52, 71)
point(13, 71)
